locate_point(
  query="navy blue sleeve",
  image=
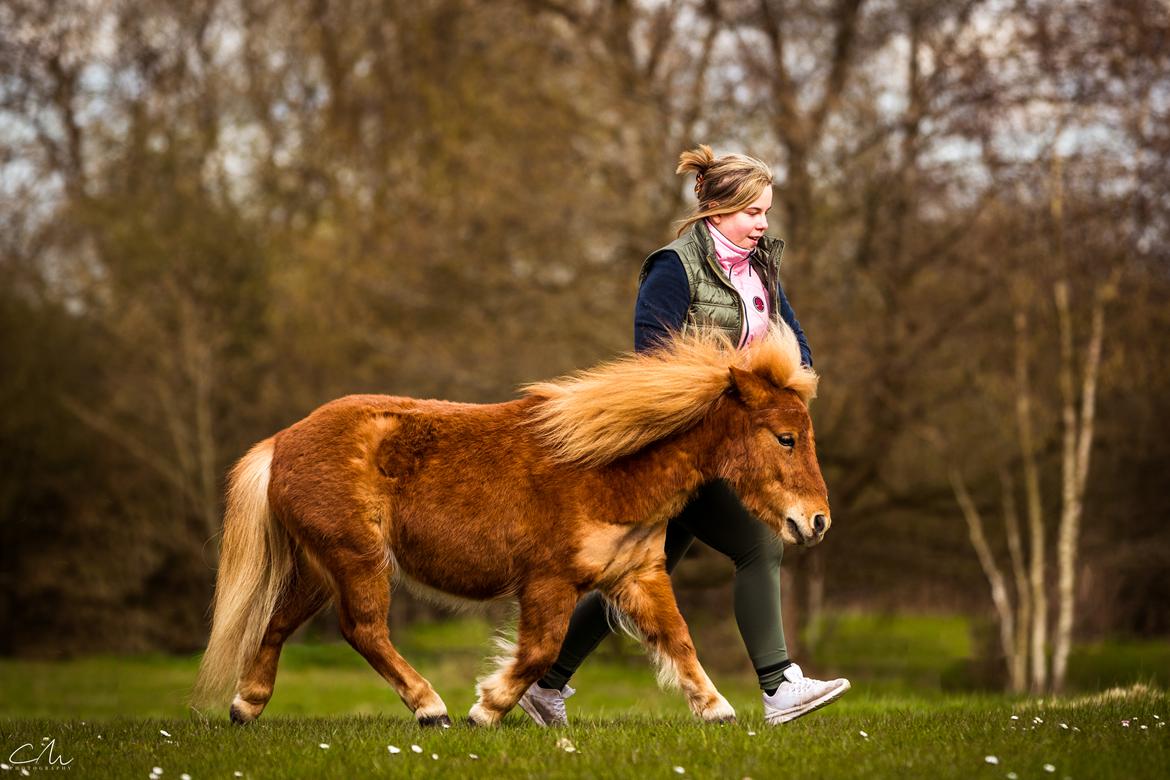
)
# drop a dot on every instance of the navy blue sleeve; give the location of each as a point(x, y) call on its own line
point(789, 316)
point(663, 301)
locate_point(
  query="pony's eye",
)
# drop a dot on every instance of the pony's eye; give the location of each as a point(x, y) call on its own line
point(786, 440)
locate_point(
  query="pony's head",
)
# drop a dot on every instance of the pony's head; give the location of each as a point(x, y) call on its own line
point(759, 396)
point(772, 462)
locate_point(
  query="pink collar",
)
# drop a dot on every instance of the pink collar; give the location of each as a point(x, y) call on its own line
point(730, 256)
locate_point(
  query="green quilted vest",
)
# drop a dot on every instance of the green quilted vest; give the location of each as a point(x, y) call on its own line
point(714, 301)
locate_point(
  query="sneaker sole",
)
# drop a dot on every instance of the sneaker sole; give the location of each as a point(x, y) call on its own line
point(793, 714)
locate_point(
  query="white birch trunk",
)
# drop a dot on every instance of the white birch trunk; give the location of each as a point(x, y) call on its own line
point(1037, 564)
point(1023, 617)
point(1078, 442)
point(999, 591)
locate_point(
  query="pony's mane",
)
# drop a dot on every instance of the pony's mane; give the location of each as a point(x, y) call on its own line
point(595, 416)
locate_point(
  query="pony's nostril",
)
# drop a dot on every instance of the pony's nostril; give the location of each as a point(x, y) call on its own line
point(819, 524)
point(795, 529)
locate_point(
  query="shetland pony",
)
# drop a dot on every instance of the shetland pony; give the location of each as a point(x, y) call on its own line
point(541, 499)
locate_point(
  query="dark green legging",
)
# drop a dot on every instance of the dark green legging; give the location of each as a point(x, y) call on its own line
point(716, 517)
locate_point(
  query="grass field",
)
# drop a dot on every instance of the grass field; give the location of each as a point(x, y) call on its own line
point(120, 717)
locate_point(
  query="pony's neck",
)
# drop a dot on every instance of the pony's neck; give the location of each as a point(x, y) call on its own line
point(654, 484)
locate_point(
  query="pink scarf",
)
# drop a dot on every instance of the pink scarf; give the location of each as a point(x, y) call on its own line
point(734, 262)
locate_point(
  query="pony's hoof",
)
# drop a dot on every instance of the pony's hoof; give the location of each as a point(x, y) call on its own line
point(480, 717)
point(243, 712)
point(718, 712)
point(435, 720)
point(239, 717)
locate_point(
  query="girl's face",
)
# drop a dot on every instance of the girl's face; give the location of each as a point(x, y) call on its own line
point(745, 227)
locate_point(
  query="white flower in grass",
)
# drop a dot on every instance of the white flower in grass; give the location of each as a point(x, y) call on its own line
point(1064, 725)
point(678, 770)
point(1144, 727)
point(1049, 768)
point(164, 732)
point(1125, 723)
point(237, 773)
point(991, 759)
point(1037, 720)
point(435, 756)
point(1015, 717)
point(324, 746)
point(564, 744)
point(863, 734)
point(416, 748)
point(5, 767)
point(156, 770)
point(24, 772)
point(1012, 776)
point(473, 756)
point(184, 776)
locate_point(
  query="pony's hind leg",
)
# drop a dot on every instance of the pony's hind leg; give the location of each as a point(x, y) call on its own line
point(545, 609)
point(303, 597)
point(647, 598)
point(363, 604)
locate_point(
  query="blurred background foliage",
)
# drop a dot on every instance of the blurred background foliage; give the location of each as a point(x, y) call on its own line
point(217, 214)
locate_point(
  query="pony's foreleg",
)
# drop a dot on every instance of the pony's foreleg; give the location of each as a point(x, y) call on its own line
point(545, 609)
point(302, 598)
point(647, 598)
point(363, 604)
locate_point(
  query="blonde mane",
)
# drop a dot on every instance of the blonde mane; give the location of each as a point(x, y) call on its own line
point(595, 416)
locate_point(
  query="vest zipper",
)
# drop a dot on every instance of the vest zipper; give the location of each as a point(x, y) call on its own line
point(714, 264)
point(770, 286)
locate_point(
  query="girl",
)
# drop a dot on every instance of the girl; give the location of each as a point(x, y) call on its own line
point(721, 271)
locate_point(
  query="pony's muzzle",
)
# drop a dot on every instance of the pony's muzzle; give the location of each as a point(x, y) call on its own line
point(808, 532)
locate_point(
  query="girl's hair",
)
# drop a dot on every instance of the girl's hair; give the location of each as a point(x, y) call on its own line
point(723, 185)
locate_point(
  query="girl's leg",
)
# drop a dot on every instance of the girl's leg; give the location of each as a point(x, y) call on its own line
point(719, 519)
point(590, 623)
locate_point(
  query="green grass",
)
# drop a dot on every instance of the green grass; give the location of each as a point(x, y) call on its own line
point(107, 714)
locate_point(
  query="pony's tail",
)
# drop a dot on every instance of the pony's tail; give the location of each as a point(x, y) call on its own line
point(255, 562)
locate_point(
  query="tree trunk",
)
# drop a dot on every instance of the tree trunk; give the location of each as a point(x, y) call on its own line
point(1011, 520)
point(1039, 633)
point(1078, 440)
point(999, 592)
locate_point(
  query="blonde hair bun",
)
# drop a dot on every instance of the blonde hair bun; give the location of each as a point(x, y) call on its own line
point(696, 160)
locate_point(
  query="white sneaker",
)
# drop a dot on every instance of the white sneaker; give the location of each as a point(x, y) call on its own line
point(546, 706)
point(799, 695)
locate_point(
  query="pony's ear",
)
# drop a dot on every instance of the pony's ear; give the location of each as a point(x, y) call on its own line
point(754, 391)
